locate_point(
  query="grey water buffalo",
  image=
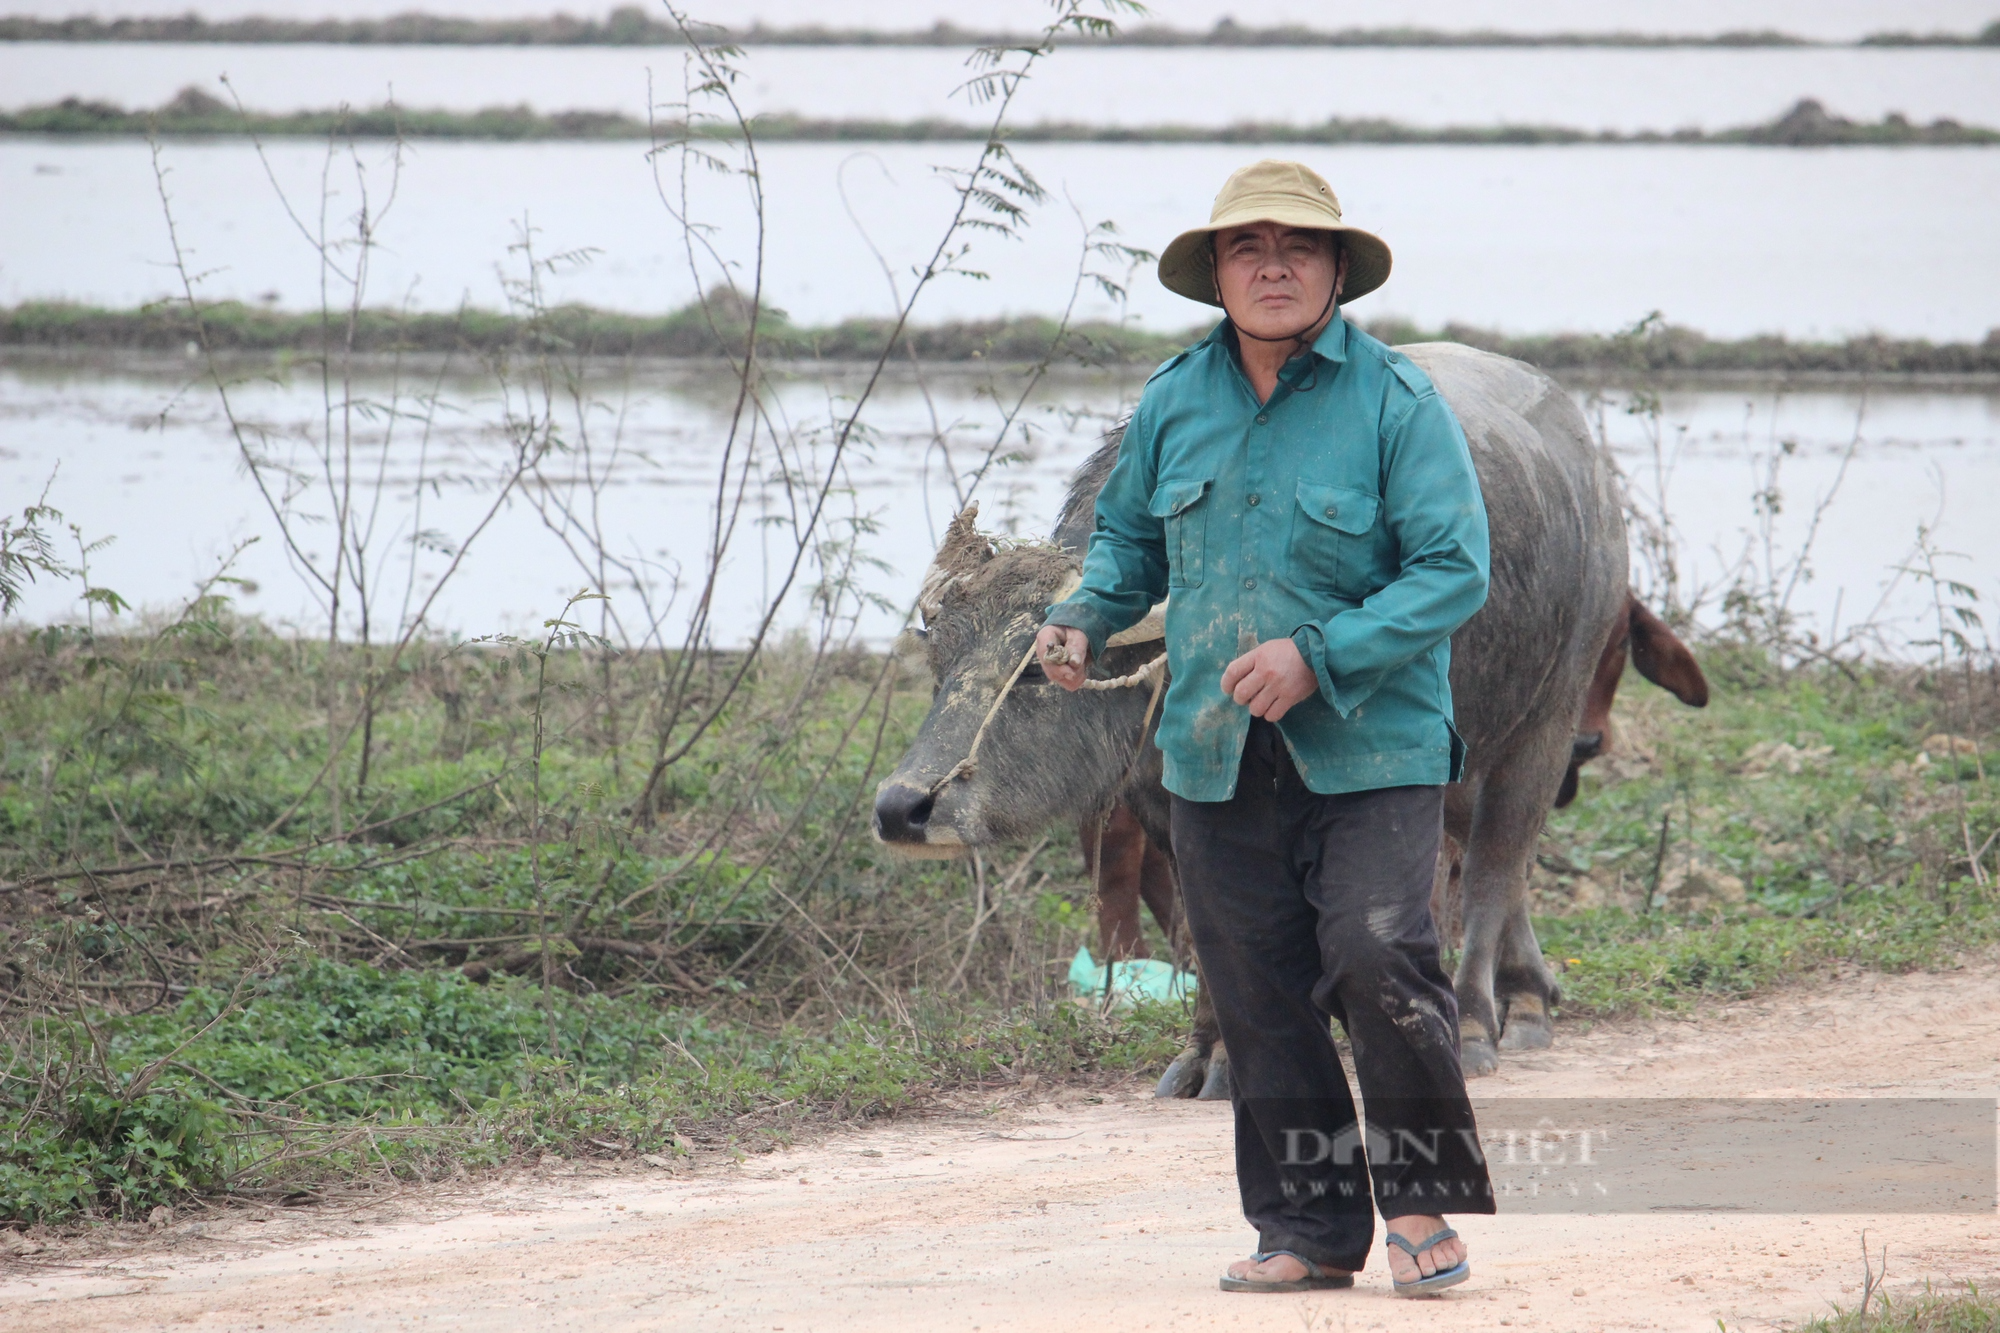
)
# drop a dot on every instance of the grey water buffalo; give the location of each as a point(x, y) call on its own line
point(1129, 871)
point(1521, 671)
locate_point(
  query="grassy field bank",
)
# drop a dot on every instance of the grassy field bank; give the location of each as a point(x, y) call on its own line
point(228, 964)
point(632, 26)
point(196, 113)
point(1652, 349)
point(246, 950)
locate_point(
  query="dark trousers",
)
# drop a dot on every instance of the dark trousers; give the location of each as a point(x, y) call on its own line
point(1303, 906)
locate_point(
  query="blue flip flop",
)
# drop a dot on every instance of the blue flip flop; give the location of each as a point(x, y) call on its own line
point(1316, 1278)
point(1438, 1281)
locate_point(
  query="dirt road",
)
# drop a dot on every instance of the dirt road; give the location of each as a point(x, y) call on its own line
point(1115, 1215)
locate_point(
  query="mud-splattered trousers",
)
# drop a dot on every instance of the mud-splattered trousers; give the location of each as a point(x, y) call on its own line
point(1302, 906)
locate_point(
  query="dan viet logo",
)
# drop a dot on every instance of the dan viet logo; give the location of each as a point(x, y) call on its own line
point(1544, 1146)
point(1584, 1155)
point(1377, 1146)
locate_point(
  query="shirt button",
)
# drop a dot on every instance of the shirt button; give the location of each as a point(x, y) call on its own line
point(1249, 583)
point(1330, 511)
point(1254, 499)
point(1262, 419)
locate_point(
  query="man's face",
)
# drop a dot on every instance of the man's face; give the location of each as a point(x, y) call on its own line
point(1275, 281)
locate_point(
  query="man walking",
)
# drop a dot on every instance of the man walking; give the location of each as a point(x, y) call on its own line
point(1305, 501)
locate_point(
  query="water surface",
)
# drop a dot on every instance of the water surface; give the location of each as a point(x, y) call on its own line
point(1593, 89)
point(148, 458)
point(1733, 241)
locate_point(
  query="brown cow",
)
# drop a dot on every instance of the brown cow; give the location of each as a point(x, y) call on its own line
point(1134, 871)
point(1661, 658)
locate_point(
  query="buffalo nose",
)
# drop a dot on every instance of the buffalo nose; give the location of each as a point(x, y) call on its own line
point(901, 813)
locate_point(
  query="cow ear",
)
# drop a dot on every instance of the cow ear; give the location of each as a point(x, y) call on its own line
point(1663, 659)
point(964, 549)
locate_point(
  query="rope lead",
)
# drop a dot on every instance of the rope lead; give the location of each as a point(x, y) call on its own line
point(1154, 671)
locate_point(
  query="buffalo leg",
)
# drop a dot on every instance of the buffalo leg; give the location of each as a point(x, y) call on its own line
point(1447, 892)
point(1202, 1069)
point(1506, 824)
point(1115, 855)
point(1163, 898)
point(1525, 987)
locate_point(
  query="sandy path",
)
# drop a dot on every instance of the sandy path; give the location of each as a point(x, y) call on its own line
point(1113, 1215)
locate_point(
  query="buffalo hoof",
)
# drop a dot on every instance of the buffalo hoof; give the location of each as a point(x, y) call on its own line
point(1527, 1032)
point(1525, 1024)
point(1185, 1076)
point(1216, 1087)
point(1477, 1057)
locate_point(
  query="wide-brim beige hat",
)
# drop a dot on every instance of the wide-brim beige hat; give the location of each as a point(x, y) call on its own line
point(1289, 194)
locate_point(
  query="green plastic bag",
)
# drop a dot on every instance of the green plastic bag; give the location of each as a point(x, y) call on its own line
point(1137, 978)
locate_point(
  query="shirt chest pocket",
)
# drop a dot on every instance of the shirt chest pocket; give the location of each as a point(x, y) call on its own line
point(1180, 507)
point(1333, 540)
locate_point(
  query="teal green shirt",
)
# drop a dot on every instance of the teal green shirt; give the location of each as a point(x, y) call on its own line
point(1343, 513)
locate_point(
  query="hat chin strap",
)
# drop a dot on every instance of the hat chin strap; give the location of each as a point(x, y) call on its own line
point(1332, 295)
point(1299, 337)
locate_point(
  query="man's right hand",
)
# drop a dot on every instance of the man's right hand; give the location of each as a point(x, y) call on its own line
point(1071, 666)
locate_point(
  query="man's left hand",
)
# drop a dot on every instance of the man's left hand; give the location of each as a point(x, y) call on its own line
point(1269, 679)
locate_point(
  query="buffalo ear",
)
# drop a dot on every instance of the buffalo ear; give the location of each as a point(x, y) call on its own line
point(1663, 659)
point(912, 651)
point(961, 553)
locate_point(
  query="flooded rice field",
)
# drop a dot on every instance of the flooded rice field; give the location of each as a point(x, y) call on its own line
point(1589, 88)
point(1732, 241)
point(146, 456)
point(1821, 243)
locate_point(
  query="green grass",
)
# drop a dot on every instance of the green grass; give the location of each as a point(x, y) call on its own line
point(1847, 863)
point(1628, 963)
point(777, 971)
point(394, 1018)
point(1965, 1311)
point(430, 1066)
